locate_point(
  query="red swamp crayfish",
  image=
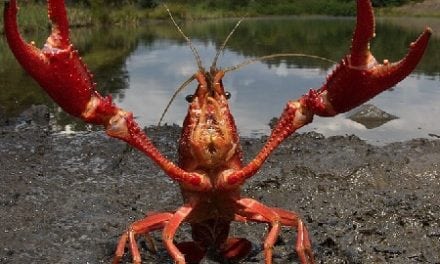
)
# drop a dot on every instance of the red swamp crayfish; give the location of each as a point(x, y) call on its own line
point(210, 170)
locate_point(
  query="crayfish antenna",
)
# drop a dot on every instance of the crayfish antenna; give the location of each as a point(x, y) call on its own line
point(273, 56)
point(222, 47)
point(188, 40)
point(197, 57)
point(183, 86)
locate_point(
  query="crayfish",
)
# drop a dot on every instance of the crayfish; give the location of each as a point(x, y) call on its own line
point(210, 169)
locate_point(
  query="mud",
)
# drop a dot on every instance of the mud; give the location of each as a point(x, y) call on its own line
point(66, 198)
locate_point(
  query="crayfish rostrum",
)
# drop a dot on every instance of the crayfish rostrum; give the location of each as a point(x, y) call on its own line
point(210, 169)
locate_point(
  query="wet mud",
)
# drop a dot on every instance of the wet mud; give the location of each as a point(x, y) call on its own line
point(66, 198)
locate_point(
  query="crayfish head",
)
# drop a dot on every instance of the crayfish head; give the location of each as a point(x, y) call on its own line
point(209, 138)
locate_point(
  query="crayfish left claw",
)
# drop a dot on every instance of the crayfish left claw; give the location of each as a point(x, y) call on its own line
point(359, 77)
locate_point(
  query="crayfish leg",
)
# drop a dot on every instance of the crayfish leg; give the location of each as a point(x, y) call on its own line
point(255, 211)
point(170, 230)
point(144, 226)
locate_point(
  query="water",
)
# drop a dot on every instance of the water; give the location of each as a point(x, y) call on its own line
point(142, 67)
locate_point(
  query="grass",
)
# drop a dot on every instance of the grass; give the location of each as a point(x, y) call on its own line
point(33, 17)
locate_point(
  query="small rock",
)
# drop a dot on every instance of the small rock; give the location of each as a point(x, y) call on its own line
point(371, 116)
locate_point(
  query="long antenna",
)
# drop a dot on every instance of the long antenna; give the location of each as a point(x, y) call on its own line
point(214, 62)
point(185, 84)
point(267, 57)
point(188, 40)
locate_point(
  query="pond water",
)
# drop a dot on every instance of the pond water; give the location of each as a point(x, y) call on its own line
point(142, 67)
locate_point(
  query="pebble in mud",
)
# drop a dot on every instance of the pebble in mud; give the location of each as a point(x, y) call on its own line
point(69, 201)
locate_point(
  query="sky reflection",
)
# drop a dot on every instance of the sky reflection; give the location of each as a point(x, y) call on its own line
point(142, 67)
point(260, 92)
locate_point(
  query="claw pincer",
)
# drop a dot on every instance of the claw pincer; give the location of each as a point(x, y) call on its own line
point(351, 85)
point(57, 67)
point(359, 77)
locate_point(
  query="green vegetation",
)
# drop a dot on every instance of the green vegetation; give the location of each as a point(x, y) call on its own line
point(132, 12)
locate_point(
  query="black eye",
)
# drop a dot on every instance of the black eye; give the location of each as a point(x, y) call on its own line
point(228, 95)
point(189, 98)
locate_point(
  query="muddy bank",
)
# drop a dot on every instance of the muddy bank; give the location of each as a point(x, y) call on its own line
point(66, 198)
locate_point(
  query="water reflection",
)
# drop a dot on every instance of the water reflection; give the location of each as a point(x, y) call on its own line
point(141, 68)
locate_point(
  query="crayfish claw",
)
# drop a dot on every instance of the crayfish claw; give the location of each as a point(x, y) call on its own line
point(57, 68)
point(360, 77)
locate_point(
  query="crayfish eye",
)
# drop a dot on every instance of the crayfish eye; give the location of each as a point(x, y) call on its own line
point(228, 95)
point(189, 98)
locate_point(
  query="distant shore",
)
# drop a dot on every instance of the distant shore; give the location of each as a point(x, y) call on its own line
point(32, 16)
point(427, 8)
